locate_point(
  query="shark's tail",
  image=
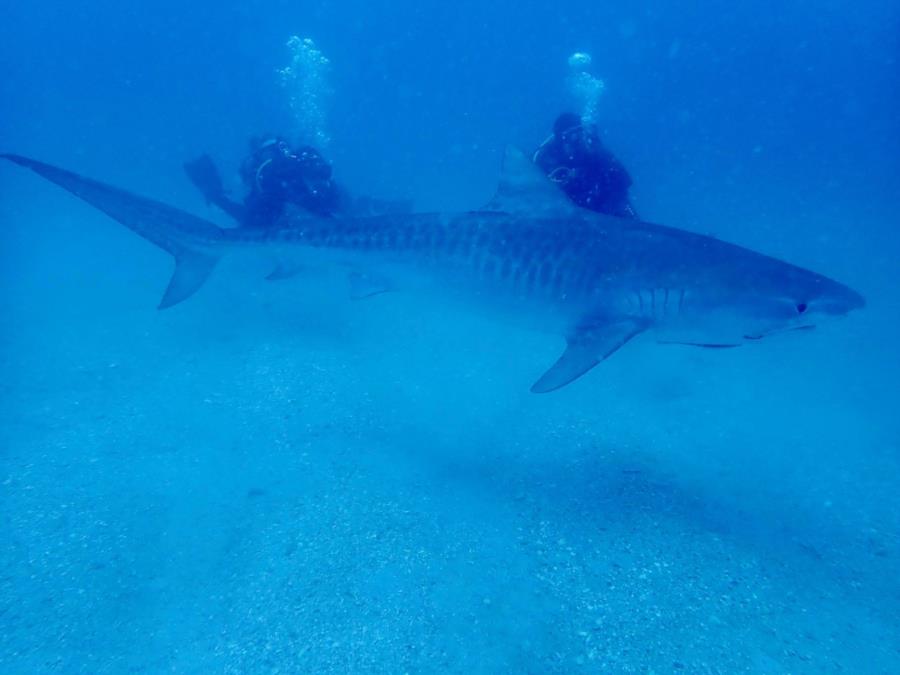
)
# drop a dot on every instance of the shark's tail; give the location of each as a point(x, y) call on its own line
point(196, 244)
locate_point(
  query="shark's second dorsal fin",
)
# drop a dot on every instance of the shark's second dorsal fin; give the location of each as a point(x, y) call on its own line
point(522, 187)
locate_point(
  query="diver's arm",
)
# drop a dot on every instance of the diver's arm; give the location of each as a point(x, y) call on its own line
point(542, 156)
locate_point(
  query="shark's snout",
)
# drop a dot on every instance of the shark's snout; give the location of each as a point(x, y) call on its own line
point(840, 301)
point(844, 303)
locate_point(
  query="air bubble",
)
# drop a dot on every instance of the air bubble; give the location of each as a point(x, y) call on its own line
point(583, 87)
point(306, 81)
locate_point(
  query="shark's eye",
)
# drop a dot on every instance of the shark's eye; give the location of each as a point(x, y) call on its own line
point(801, 307)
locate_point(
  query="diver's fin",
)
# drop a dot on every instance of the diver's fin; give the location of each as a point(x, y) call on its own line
point(195, 243)
point(588, 346)
point(202, 172)
point(364, 285)
point(523, 187)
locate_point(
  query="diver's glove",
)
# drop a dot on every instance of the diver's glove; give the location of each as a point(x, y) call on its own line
point(205, 177)
point(564, 175)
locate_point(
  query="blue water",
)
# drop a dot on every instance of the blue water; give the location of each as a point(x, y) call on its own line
point(273, 478)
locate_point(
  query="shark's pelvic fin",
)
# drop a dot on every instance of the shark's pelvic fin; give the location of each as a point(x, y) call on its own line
point(285, 270)
point(365, 285)
point(524, 188)
point(191, 240)
point(587, 346)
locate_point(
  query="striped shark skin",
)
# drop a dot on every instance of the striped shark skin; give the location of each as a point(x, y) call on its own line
point(529, 257)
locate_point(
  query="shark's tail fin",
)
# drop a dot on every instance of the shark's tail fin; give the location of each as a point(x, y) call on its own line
point(196, 244)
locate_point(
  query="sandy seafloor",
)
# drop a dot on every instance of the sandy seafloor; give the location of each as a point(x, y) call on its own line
point(271, 478)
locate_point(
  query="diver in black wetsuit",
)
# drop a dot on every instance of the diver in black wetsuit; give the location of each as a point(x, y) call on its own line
point(276, 175)
point(587, 172)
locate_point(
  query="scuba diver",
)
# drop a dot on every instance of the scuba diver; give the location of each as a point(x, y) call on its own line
point(575, 158)
point(275, 175)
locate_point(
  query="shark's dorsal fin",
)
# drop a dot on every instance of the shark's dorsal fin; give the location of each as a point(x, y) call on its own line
point(522, 187)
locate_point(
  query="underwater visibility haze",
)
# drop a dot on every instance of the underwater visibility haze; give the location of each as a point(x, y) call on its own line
point(430, 399)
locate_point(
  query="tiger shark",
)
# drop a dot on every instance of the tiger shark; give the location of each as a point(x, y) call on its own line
point(529, 256)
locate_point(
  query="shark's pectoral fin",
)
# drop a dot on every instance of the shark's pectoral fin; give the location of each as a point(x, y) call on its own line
point(365, 285)
point(191, 270)
point(587, 346)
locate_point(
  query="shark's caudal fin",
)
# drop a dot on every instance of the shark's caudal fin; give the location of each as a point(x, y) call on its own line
point(192, 241)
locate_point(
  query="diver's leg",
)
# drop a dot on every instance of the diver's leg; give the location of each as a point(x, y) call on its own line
point(202, 172)
point(232, 208)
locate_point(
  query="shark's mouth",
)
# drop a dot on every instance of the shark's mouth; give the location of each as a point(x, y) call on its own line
point(760, 336)
point(731, 345)
point(702, 345)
